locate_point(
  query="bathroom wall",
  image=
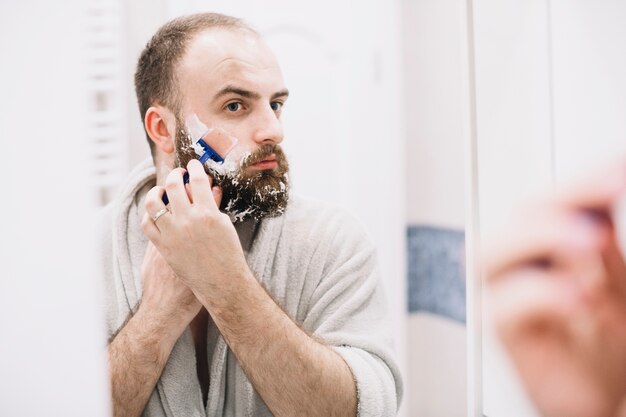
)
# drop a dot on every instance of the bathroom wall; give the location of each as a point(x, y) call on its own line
point(434, 99)
point(52, 340)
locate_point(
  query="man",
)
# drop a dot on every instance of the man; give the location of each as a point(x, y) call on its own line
point(279, 313)
point(558, 296)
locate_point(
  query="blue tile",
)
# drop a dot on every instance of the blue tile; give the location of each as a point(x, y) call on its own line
point(436, 271)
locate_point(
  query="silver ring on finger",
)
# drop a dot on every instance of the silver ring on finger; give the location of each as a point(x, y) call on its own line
point(159, 214)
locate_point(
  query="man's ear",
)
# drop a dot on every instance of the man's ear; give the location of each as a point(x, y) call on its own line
point(161, 127)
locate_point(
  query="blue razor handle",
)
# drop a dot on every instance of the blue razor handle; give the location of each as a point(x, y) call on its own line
point(209, 153)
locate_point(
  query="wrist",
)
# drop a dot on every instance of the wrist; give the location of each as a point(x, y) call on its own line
point(158, 327)
point(227, 292)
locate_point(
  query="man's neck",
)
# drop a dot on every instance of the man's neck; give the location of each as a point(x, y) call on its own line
point(163, 166)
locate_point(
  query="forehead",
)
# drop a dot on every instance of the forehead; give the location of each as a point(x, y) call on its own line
point(218, 57)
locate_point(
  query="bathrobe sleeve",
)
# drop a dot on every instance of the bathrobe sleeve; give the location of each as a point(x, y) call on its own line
point(116, 311)
point(348, 310)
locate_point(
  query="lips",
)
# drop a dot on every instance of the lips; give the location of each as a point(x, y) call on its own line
point(267, 163)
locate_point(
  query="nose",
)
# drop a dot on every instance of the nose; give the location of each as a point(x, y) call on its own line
point(269, 127)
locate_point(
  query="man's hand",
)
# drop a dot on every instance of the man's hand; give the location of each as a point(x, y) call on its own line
point(558, 298)
point(198, 241)
point(163, 293)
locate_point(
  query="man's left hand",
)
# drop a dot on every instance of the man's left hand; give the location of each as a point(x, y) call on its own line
point(198, 241)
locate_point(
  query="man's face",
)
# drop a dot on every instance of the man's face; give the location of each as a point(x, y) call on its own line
point(231, 81)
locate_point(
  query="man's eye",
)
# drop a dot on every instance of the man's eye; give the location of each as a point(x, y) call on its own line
point(233, 106)
point(276, 105)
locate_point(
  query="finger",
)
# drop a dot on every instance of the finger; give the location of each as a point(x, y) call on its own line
point(188, 191)
point(175, 188)
point(531, 300)
point(553, 237)
point(200, 185)
point(217, 195)
point(598, 191)
point(614, 265)
point(153, 202)
point(154, 205)
point(151, 231)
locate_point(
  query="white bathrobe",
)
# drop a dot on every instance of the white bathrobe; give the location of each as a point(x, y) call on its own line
point(315, 261)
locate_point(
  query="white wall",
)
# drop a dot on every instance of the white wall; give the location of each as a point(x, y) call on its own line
point(513, 112)
point(142, 19)
point(589, 58)
point(52, 340)
point(433, 40)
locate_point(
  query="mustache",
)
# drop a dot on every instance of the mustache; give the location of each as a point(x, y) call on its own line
point(262, 153)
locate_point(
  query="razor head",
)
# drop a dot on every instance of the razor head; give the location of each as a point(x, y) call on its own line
point(209, 153)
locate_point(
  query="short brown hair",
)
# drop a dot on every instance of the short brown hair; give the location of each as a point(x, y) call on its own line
point(155, 79)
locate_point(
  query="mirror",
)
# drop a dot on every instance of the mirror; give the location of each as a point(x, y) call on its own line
point(548, 78)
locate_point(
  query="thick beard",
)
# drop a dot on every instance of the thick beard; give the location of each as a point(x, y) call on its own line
point(245, 195)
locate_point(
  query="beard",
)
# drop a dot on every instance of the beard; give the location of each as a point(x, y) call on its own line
point(246, 194)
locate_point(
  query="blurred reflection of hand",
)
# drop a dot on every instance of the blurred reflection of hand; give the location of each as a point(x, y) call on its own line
point(557, 285)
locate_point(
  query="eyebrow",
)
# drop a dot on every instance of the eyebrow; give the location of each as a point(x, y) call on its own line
point(282, 93)
point(230, 89)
